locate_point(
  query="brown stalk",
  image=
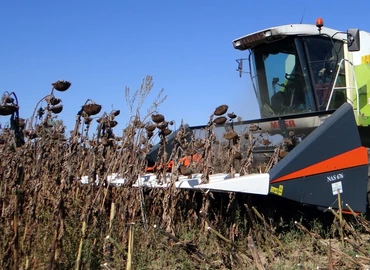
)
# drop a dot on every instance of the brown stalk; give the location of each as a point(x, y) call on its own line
point(363, 258)
point(130, 246)
point(341, 225)
point(15, 229)
point(219, 235)
point(20, 177)
point(207, 156)
point(344, 255)
point(305, 230)
point(345, 225)
point(117, 245)
point(250, 215)
point(187, 246)
point(53, 249)
point(357, 247)
point(256, 257)
point(318, 240)
point(360, 220)
point(269, 229)
point(330, 256)
point(79, 252)
point(108, 247)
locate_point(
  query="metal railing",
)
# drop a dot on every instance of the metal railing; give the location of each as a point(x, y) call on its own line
point(345, 87)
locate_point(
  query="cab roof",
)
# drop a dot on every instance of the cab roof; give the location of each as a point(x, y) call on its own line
point(275, 33)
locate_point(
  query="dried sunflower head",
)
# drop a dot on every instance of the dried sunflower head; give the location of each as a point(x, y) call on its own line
point(166, 131)
point(162, 125)
point(61, 85)
point(56, 109)
point(220, 110)
point(8, 109)
point(199, 143)
point(220, 120)
point(115, 112)
point(53, 100)
point(232, 115)
point(7, 99)
point(91, 109)
point(150, 127)
point(230, 135)
point(157, 118)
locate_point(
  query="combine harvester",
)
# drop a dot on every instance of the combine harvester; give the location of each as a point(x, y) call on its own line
point(312, 84)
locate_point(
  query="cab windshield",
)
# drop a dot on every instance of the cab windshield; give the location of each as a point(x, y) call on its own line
point(295, 75)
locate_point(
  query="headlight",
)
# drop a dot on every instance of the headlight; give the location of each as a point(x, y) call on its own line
point(237, 43)
point(268, 33)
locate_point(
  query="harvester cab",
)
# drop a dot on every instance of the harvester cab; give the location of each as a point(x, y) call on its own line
point(297, 69)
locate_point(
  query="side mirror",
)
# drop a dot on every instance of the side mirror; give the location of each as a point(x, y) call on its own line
point(353, 40)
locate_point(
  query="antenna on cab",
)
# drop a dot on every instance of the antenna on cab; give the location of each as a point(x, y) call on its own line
point(304, 12)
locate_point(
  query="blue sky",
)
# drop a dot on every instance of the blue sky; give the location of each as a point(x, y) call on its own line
point(104, 46)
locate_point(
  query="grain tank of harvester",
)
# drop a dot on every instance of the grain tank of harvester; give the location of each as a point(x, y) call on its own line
point(312, 85)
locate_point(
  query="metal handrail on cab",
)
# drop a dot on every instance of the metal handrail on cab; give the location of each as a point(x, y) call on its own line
point(345, 87)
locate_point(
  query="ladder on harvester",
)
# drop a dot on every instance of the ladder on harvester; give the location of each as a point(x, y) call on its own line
point(355, 103)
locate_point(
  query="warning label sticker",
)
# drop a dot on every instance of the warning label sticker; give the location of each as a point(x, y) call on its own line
point(277, 191)
point(337, 186)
